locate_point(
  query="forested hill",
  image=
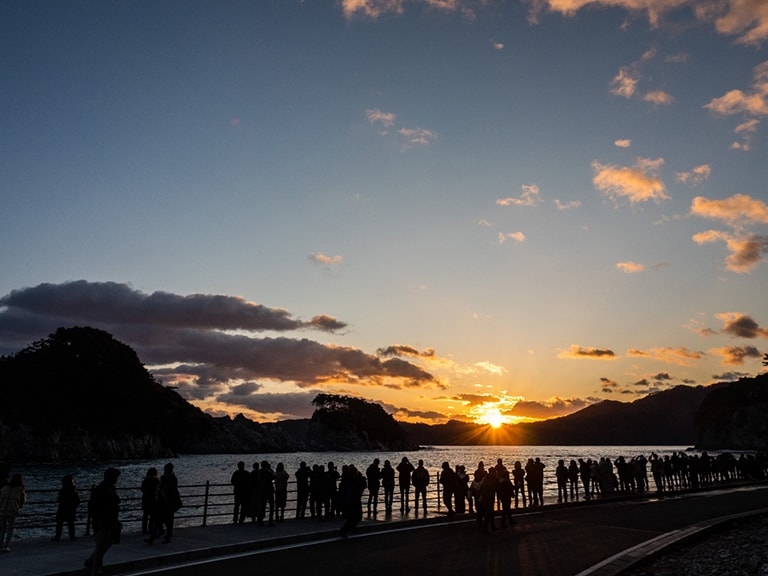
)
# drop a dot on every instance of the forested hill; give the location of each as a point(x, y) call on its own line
point(82, 395)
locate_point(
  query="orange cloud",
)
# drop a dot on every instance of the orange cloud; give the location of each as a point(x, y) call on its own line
point(745, 253)
point(376, 115)
point(741, 325)
point(695, 176)
point(630, 267)
point(529, 197)
point(747, 18)
point(623, 143)
point(680, 356)
point(321, 258)
point(580, 352)
point(516, 236)
point(658, 97)
point(736, 355)
point(737, 210)
point(638, 184)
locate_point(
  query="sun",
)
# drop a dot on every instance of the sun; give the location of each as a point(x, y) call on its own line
point(493, 417)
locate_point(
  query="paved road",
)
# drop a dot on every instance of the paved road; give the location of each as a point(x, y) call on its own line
point(559, 541)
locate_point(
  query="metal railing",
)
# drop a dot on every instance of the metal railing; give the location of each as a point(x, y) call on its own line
point(203, 505)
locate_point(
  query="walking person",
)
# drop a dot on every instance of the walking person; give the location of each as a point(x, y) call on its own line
point(13, 496)
point(241, 482)
point(104, 509)
point(67, 501)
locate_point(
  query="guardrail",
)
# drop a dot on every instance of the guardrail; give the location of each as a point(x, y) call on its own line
point(203, 505)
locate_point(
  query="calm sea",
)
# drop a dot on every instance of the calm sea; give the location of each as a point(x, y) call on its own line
point(218, 468)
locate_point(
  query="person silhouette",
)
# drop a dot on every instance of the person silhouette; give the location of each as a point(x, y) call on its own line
point(448, 479)
point(104, 509)
point(168, 503)
point(267, 494)
point(13, 496)
point(67, 501)
point(354, 485)
point(404, 470)
point(281, 491)
point(388, 483)
point(373, 478)
point(302, 489)
point(241, 482)
point(420, 480)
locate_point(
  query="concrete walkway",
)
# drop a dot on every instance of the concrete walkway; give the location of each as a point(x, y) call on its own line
point(41, 557)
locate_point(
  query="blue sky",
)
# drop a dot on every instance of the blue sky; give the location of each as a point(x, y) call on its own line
point(451, 207)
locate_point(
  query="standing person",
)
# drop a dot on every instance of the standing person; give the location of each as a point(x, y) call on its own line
point(67, 501)
point(573, 479)
point(373, 478)
point(461, 490)
point(267, 492)
point(518, 477)
point(330, 490)
point(302, 489)
point(150, 490)
point(241, 481)
point(388, 483)
point(254, 494)
point(539, 486)
point(420, 480)
point(404, 471)
point(281, 491)
point(12, 497)
point(104, 508)
point(168, 503)
point(448, 480)
point(354, 485)
point(316, 495)
point(561, 475)
point(486, 501)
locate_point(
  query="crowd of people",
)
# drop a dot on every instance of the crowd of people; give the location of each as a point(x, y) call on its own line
point(322, 491)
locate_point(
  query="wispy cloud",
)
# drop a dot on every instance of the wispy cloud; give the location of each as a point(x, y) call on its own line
point(375, 115)
point(516, 236)
point(638, 183)
point(630, 267)
point(658, 97)
point(695, 176)
point(321, 258)
point(623, 143)
point(681, 356)
point(528, 197)
point(567, 205)
point(737, 211)
point(548, 409)
point(582, 352)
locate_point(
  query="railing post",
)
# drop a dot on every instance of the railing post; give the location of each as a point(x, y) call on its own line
point(205, 502)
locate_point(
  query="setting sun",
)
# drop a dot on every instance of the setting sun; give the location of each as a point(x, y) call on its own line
point(493, 417)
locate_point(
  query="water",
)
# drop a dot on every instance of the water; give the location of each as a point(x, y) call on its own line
point(218, 468)
point(194, 471)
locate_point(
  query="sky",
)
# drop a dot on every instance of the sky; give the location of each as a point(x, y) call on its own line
point(460, 209)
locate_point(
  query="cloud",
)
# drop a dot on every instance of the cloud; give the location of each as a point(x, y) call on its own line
point(696, 176)
point(321, 258)
point(680, 356)
point(197, 342)
point(114, 303)
point(737, 211)
point(287, 405)
point(736, 355)
point(653, 10)
point(752, 103)
point(630, 267)
point(516, 236)
point(529, 197)
point(623, 143)
point(658, 97)
point(418, 136)
point(567, 205)
point(624, 84)
point(741, 325)
point(550, 409)
point(637, 184)
point(406, 350)
point(386, 119)
point(747, 19)
point(371, 8)
point(730, 376)
point(745, 252)
point(580, 352)
point(498, 46)
point(476, 399)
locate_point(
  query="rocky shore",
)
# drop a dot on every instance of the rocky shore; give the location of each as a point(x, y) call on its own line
point(739, 548)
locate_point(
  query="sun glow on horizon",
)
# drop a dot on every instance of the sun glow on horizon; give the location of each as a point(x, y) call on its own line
point(493, 417)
